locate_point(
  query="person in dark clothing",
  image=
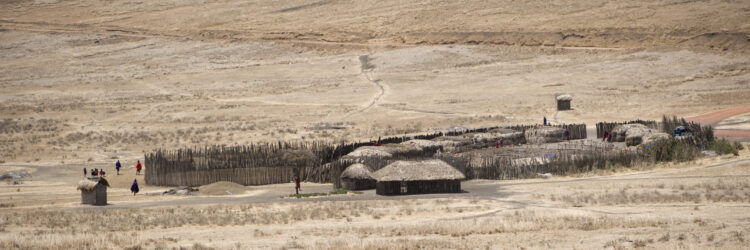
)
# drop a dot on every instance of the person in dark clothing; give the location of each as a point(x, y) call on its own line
point(96, 172)
point(604, 137)
point(296, 186)
point(84, 172)
point(545, 121)
point(567, 135)
point(134, 187)
point(101, 173)
point(138, 168)
point(92, 172)
point(117, 167)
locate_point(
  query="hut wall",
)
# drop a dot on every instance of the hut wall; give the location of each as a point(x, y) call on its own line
point(88, 197)
point(438, 186)
point(101, 195)
point(563, 105)
point(388, 187)
point(357, 184)
point(419, 187)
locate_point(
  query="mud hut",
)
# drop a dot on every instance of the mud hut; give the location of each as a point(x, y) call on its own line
point(563, 102)
point(357, 177)
point(631, 134)
point(418, 177)
point(93, 191)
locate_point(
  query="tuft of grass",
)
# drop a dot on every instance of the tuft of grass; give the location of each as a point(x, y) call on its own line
point(334, 192)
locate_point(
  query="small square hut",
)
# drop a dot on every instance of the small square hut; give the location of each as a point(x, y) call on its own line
point(93, 191)
point(418, 177)
point(563, 102)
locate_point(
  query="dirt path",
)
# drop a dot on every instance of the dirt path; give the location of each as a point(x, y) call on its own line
point(715, 117)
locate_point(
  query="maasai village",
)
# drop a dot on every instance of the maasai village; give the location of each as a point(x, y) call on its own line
point(225, 124)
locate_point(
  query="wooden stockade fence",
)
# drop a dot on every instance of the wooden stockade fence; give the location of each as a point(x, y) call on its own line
point(507, 168)
point(258, 164)
point(268, 163)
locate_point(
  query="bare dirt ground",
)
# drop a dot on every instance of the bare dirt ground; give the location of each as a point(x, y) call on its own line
point(85, 83)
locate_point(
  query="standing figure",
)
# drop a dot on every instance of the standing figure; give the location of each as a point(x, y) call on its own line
point(96, 172)
point(296, 186)
point(138, 168)
point(567, 134)
point(604, 137)
point(101, 173)
point(84, 172)
point(545, 121)
point(501, 142)
point(134, 187)
point(117, 167)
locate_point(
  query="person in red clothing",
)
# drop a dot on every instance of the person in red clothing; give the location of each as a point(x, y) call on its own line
point(138, 168)
point(296, 182)
point(96, 172)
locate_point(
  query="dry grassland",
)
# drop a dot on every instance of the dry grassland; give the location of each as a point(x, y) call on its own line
point(693, 205)
point(430, 224)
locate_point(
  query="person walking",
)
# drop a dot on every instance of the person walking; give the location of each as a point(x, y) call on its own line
point(296, 184)
point(138, 168)
point(117, 167)
point(134, 187)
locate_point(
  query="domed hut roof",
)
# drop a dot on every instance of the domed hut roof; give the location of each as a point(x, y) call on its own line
point(424, 170)
point(357, 171)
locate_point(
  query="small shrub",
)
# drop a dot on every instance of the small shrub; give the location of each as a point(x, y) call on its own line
point(671, 150)
point(722, 147)
point(738, 146)
point(664, 238)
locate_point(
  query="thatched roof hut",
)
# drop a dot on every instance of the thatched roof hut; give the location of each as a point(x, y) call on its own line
point(563, 101)
point(634, 132)
point(357, 177)
point(415, 177)
point(93, 191)
point(418, 171)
